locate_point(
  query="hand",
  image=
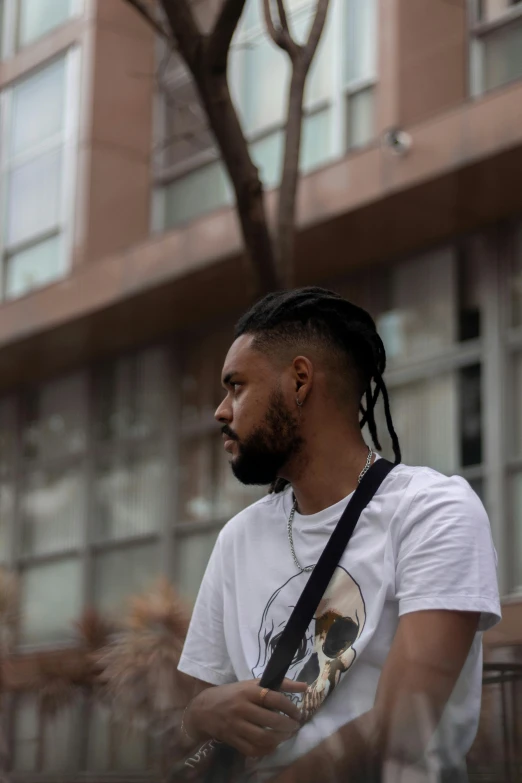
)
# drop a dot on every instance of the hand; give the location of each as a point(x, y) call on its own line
point(237, 715)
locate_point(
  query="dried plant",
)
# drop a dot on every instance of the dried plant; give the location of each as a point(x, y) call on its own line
point(56, 689)
point(93, 630)
point(139, 666)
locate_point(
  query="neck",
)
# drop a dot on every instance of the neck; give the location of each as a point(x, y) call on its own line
point(330, 470)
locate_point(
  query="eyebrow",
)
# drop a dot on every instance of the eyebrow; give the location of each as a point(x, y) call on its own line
point(228, 377)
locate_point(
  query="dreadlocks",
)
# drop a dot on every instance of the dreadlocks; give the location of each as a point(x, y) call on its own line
point(316, 315)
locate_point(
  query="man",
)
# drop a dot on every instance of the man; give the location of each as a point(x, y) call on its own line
point(388, 678)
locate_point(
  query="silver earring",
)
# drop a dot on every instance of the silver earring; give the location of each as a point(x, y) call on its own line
point(298, 403)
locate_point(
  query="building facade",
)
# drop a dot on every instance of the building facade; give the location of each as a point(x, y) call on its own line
point(122, 274)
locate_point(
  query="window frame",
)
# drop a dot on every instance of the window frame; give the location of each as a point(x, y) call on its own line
point(66, 142)
point(10, 44)
point(341, 91)
point(478, 31)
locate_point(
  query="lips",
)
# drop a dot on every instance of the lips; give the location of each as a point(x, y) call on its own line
point(228, 443)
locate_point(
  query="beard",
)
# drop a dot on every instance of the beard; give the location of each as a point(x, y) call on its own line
point(273, 443)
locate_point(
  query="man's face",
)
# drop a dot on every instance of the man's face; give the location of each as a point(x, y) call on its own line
point(259, 424)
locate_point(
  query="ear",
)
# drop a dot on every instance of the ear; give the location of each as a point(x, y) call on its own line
point(303, 372)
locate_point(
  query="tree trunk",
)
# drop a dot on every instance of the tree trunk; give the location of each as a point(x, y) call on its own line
point(248, 188)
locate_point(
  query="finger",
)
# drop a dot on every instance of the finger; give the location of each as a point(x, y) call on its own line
point(264, 742)
point(280, 703)
point(293, 686)
point(274, 720)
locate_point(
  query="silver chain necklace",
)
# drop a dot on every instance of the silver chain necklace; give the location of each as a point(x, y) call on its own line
point(294, 509)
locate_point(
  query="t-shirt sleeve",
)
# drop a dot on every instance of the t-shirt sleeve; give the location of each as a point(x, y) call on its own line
point(446, 558)
point(205, 654)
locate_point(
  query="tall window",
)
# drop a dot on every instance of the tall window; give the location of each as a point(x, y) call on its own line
point(428, 312)
point(86, 476)
point(496, 46)
point(339, 106)
point(26, 21)
point(37, 158)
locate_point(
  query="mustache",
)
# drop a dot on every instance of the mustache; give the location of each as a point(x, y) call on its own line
point(225, 430)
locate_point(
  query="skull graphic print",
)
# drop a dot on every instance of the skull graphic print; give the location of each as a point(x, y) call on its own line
point(326, 652)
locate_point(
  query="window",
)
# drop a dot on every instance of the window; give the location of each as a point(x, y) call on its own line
point(339, 107)
point(496, 48)
point(37, 164)
point(26, 21)
point(208, 493)
point(429, 312)
point(43, 742)
point(86, 475)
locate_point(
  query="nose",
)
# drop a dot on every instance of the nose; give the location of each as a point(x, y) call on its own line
point(223, 413)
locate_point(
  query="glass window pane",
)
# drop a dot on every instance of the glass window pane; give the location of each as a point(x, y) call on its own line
point(360, 39)
point(502, 56)
point(8, 437)
point(253, 14)
point(60, 740)
point(132, 399)
point(34, 198)
point(195, 485)
point(470, 398)
point(35, 267)
point(122, 573)
point(7, 499)
point(192, 555)
point(38, 17)
point(425, 415)
point(316, 147)
point(361, 120)
point(131, 496)
point(516, 284)
point(516, 490)
point(517, 406)
point(25, 734)
point(420, 317)
point(113, 746)
point(196, 194)
point(50, 601)
point(56, 424)
point(53, 509)
point(266, 67)
point(186, 131)
point(470, 295)
point(38, 107)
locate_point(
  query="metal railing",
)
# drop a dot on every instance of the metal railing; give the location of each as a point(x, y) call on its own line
point(501, 726)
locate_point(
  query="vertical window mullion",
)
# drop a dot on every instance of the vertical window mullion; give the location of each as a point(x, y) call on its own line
point(494, 395)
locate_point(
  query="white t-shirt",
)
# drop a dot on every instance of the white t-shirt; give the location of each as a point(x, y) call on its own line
point(424, 542)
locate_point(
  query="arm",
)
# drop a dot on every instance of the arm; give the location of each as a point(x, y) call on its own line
point(424, 663)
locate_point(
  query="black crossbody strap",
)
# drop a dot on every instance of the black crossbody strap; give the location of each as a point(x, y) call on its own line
point(319, 580)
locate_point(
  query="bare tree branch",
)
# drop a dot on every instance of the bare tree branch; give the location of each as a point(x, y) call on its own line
point(316, 31)
point(141, 7)
point(286, 212)
point(220, 39)
point(204, 58)
point(281, 35)
point(185, 32)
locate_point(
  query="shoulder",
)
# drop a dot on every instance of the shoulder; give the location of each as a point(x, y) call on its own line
point(429, 500)
point(418, 482)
